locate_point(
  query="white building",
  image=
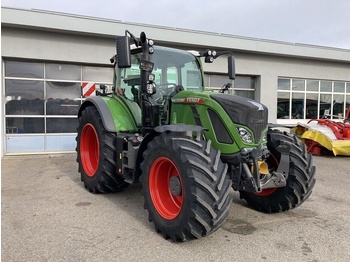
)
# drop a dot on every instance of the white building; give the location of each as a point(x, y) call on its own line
point(46, 57)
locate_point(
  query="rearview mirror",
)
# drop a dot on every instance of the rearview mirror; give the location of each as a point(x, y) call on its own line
point(123, 52)
point(231, 67)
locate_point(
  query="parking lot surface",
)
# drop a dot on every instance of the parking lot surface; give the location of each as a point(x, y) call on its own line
point(47, 215)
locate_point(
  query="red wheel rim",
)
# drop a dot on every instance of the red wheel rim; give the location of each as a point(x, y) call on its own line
point(269, 191)
point(266, 192)
point(166, 203)
point(89, 150)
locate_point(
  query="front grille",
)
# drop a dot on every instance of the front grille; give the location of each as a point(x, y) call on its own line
point(245, 112)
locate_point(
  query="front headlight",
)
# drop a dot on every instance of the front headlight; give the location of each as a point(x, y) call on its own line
point(264, 139)
point(245, 135)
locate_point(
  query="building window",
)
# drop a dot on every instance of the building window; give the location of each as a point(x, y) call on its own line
point(242, 85)
point(24, 97)
point(42, 101)
point(310, 99)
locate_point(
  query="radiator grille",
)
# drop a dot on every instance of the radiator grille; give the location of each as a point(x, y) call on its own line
point(244, 111)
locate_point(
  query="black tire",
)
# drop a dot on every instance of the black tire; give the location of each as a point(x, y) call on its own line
point(300, 182)
point(204, 194)
point(96, 154)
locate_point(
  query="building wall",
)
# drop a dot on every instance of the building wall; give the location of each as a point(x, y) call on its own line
point(43, 45)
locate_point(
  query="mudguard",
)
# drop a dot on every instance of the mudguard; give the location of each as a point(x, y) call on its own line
point(116, 115)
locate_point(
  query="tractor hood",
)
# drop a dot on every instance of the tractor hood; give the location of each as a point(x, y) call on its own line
point(230, 110)
point(244, 111)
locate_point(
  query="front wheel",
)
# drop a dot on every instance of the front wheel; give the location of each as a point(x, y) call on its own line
point(185, 187)
point(96, 154)
point(300, 182)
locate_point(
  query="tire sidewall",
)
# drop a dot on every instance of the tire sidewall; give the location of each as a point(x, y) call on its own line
point(186, 179)
point(89, 116)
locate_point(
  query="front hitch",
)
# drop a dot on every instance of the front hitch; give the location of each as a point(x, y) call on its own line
point(252, 180)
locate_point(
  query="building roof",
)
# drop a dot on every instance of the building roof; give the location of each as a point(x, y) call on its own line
point(75, 24)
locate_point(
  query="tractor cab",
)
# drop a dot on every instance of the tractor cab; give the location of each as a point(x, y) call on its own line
point(150, 76)
point(172, 70)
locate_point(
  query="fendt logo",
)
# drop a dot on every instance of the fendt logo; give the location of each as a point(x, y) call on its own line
point(188, 100)
point(257, 121)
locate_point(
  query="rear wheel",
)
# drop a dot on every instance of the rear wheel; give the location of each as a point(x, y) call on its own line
point(300, 182)
point(96, 154)
point(185, 187)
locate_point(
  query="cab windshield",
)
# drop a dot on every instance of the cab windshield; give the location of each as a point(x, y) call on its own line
point(172, 67)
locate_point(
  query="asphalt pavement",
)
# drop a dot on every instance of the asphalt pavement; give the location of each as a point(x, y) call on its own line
point(47, 215)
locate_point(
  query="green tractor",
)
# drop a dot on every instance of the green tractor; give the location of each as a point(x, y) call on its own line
point(189, 148)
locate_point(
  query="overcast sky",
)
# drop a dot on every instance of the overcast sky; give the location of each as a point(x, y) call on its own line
point(315, 22)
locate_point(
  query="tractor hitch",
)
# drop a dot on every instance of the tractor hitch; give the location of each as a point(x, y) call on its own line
point(258, 177)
